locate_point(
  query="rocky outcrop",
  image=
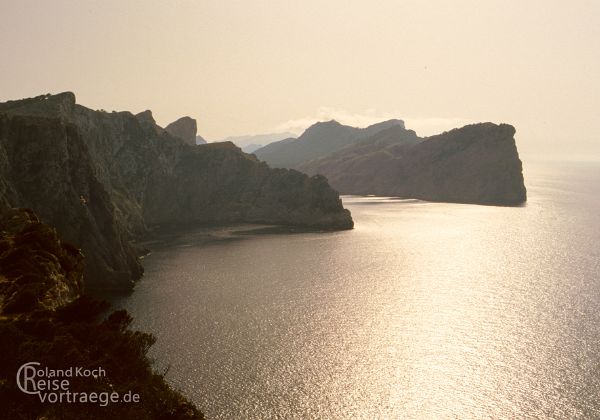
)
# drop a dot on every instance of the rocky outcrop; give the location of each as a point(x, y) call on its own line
point(184, 128)
point(317, 141)
point(131, 174)
point(38, 271)
point(475, 164)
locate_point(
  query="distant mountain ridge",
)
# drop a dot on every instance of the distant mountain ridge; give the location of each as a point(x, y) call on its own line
point(318, 140)
point(254, 142)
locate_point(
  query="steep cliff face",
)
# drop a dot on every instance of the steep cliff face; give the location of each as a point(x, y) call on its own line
point(131, 173)
point(47, 168)
point(217, 183)
point(475, 164)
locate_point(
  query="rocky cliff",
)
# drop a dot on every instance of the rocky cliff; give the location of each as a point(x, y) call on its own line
point(103, 178)
point(46, 166)
point(475, 164)
point(184, 128)
point(238, 187)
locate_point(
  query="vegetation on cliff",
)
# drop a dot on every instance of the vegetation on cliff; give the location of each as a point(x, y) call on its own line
point(37, 270)
point(44, 319)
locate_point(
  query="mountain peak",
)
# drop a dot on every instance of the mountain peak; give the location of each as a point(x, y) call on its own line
point(386, 124)
point(323, 128)
point(63, 98)
point(318, 140)
point(146, 117)
point(43, 105)
point(184, 128)
point(326, 123)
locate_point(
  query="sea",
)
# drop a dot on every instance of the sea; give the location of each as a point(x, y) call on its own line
point(422, 311)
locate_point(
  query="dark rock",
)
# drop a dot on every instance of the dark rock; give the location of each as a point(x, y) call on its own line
point(217, 183)
point(147, 121)
point(48, 169)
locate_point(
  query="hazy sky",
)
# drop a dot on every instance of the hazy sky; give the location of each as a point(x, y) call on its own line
point(255, 66)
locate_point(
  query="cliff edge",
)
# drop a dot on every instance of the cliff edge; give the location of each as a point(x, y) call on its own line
point(103, 178)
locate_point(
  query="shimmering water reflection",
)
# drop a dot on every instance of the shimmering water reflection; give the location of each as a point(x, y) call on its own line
point(424, 310)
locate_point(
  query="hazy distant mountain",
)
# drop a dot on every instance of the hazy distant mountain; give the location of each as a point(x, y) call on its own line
point(318, 140)
point(475, 164)
point(200, 140)
point(253, 142)
point(364, 158)
point(252, 147)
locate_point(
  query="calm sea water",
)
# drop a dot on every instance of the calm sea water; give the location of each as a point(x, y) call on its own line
point(424, 310)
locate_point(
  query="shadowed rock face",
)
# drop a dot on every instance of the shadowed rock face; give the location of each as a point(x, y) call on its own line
point(217, 183)
point(475, 164)
point(133, 174)
point(184, 128)
point(47, 167)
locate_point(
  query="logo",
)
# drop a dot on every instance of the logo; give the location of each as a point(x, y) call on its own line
point(53, 385)
point(25, 376)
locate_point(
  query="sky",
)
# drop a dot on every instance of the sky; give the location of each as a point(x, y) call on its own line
point(250, 67)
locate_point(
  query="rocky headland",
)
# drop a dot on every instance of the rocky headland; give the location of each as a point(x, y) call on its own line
point(104, 179)
point(477, 163)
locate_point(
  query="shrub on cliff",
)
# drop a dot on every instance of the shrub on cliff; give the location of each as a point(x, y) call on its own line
point(43, 320)
point(73, 337)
